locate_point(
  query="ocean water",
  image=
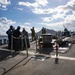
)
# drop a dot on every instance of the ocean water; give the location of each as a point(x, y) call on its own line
point(3, 39)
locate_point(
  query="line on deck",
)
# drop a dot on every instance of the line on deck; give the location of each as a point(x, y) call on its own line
point(63, 57)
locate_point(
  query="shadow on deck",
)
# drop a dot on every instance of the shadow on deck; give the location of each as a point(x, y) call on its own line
point(5, 54)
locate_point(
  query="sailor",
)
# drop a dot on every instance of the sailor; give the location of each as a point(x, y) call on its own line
point(25, 35)
point(17, 39)
point(9, 32)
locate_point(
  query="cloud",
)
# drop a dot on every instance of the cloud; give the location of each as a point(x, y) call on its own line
point(47, 19)
point(29, 4)
point(70, 5)
point(27, 23)
point(3, 29)
point(4, 20)
point(19, 8)
point(4, 4)
point(42, 2)
point(28, 27)
point(4, 24)
point(60, 12)
point(39, 7)
point(36, 4)
point(59, 24)
point(59, 15)
point(69, 22)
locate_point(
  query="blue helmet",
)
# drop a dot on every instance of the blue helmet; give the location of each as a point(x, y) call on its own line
point(11, 27)
point(18, 27)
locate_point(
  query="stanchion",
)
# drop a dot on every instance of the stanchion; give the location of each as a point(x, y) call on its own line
point(26, 45)
point(11, 43)
point(36, 43)
point(56, 59)
point(22, 42)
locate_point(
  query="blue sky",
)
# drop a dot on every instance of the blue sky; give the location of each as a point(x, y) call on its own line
point(51, 14)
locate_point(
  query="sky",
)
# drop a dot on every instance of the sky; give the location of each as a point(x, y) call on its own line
point(51, 14)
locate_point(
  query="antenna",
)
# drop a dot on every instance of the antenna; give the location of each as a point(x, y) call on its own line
point(64, 26)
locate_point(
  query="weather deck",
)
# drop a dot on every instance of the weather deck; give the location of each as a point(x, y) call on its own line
point(19, 63)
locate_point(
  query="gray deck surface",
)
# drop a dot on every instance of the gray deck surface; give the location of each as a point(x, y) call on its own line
point(19, 64)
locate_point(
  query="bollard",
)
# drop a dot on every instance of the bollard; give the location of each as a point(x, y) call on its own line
point(56, 59)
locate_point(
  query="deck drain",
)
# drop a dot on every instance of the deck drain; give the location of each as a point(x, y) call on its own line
point(39, 57)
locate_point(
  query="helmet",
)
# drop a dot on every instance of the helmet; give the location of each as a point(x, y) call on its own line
point(18, 27)
point(11, 27)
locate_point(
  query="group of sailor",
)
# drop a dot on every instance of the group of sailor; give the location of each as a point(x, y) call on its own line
point(17, 39)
